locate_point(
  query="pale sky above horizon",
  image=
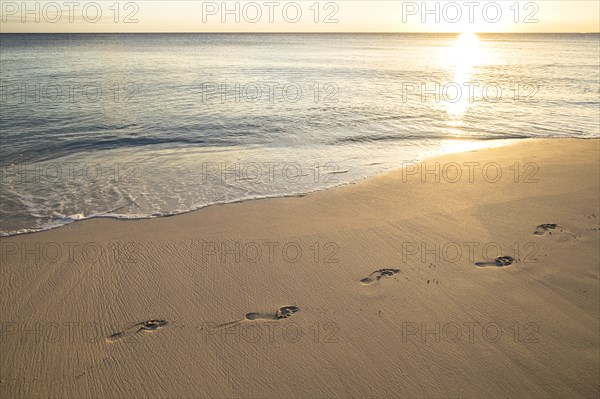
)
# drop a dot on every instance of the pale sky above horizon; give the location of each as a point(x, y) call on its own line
point(300, 16)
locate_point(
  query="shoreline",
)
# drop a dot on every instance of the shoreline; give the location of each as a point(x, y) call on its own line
point(511, 141)
point(412, 283)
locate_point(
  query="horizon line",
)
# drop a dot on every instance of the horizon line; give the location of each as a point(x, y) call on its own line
point(270, 32)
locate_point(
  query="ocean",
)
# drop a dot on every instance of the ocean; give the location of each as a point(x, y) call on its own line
point(148, 125)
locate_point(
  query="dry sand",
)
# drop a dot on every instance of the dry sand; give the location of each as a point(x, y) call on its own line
point(185, 306)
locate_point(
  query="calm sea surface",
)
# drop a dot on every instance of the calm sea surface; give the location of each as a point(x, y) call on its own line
point(143, 125)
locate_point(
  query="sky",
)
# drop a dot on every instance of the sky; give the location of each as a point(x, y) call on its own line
point(300, 16)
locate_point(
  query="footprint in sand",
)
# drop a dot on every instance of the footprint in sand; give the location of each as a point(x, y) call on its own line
point(281, 313)
point(378, 275)
point(500, 261)
point(552, 229)
point(149, 325)
point(548, 228)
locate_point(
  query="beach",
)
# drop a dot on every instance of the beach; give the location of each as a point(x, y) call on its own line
point(472, 274)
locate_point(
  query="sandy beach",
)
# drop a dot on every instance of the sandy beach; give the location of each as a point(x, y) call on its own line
point(469, 275)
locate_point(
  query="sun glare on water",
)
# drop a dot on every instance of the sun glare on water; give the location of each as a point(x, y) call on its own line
point(464, 56)
point(462, 59)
